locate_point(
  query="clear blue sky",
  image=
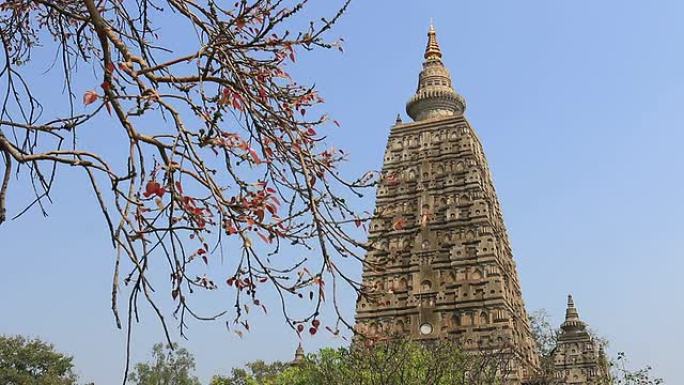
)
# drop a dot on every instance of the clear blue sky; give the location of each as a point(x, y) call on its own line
point(579, 106)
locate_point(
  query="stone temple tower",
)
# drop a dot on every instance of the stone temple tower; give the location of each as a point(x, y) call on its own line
point(441, 264)
point(578, 358)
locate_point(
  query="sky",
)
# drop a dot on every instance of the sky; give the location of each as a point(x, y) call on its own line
point(578, 106)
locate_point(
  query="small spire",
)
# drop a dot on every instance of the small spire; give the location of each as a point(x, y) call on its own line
point(573, 325)
point(398, 121)
point(432, 51)
point(571, 313)
point(435, 97)
point(299, 355)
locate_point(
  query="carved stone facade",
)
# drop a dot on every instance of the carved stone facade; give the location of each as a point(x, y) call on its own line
point(578, 358)
point(442, 261)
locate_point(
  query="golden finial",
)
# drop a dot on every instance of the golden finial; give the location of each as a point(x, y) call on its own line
point(432, 51)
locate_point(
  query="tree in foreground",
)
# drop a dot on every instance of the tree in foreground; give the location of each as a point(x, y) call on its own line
point(257, 372)
point(32, 361)
point(213, 147)
point(624, 376)
point(402, 362)
point(397, 362)
point(170, 365)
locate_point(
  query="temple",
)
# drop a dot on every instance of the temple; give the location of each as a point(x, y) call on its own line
point(578, 358)
point(440, 264)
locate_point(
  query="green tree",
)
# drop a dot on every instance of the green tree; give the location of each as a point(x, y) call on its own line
point(170, 365)
point(624, 376)
point(32, 361)
point(257, 372)
point(412, 363)
point(399, 362)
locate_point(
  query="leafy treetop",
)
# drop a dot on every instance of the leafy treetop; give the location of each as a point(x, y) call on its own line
point(32, 361)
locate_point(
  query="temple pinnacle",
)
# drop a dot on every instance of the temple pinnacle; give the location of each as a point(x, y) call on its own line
point(432, 51)
point(571, 313)
point(299, 355)
point(435, 97)
point(572, 320)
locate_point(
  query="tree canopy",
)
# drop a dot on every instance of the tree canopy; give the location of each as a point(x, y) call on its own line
point(257, 372)
point(407, 363)
point(31, 361)
point(397, 362)
point(169, 366)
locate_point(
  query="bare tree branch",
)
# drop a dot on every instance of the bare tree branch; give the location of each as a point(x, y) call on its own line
point(224, 151)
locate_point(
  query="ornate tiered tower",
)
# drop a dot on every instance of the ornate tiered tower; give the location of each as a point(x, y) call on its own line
point(578, 358)
point(441, 264)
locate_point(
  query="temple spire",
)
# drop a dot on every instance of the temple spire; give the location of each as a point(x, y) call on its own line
point(571, 312)
point(435, 98)
point(578, 358)
point(299, 355)
point(415, 269)
point(572, 319)
point(432, 51)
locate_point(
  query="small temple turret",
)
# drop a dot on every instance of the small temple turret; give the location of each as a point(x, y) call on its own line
point(435, 97)
point(578, 358)
point(572, 324)
point(299, 355)
point(398, 121)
